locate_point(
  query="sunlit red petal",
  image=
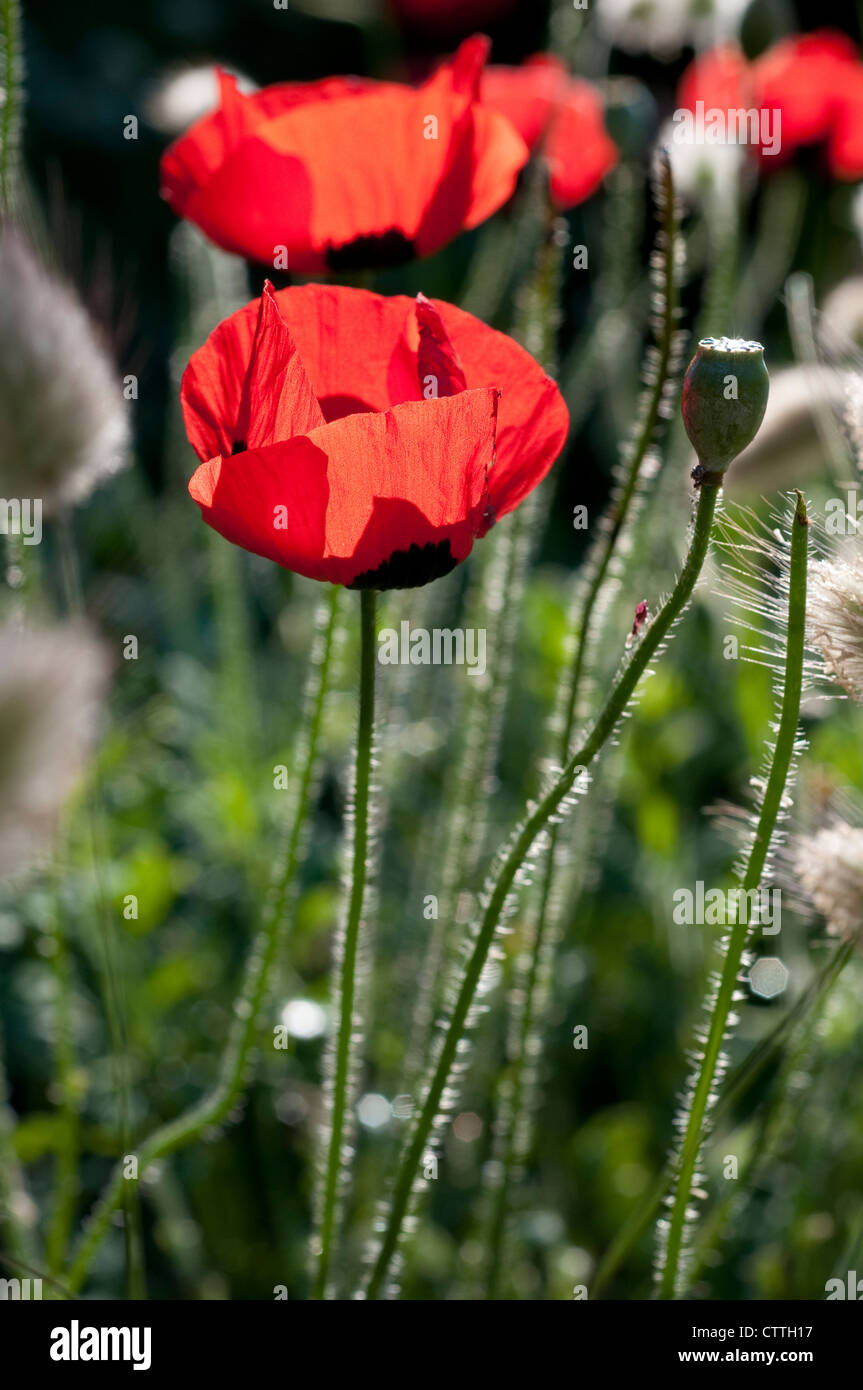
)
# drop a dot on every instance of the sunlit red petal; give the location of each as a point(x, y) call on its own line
point(532, 418)
point(563, 115)
point(322, 168)
point(800, 78)
point(578, 148)
point(362, 352)
point(720, 78)
point(360, 489)
point(439, 370)
point(846, 139)
point(525, 95)
point(247, 386)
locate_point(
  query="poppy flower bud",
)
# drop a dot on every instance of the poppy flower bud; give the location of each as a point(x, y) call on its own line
point(724, 398)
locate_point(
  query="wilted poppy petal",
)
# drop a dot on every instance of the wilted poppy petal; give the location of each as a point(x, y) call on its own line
point(386, 498)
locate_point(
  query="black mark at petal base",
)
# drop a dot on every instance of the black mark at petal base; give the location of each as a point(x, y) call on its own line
point(409, 569)
point(372, 252)
point(239, 446)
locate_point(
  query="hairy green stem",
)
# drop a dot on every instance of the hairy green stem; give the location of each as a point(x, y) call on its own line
point(511, 862)
point(10, 111)
point(611, 530)
point(783, 754)
point(498, 584)
point(339, 1097)
point(215, 1107)
point(738, 1085)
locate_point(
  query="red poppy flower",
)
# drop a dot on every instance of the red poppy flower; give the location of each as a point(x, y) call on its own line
point(346, 172)
point(364, 440)
point(813, 82)
point(560, 113)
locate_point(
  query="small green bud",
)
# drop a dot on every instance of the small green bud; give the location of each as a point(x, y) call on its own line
point(724, 398)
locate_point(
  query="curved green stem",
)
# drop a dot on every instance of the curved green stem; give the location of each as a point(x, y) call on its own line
point(214, 1108)
point(511, 862)
point(611, 530)
point(783, 754)
point(339, 1092)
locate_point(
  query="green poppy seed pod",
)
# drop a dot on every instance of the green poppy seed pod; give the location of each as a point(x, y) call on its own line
point(724, 398)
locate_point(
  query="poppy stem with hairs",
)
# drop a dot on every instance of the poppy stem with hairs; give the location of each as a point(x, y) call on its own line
point(672, 1272)
point(511, 861)
point(339, 1085)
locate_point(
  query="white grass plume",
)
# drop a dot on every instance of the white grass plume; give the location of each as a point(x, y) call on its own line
point(51, 686)
point(63, 421)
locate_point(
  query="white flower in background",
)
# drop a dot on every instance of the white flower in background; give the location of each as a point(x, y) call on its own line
point(63, 420)
point(829, 867)
point(706, 176)
point(841, 316)
point(664, 27)
point(834, 609)
point(52, 682)
point(183, 95)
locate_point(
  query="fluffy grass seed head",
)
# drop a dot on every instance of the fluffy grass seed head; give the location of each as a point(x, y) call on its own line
point(63, 420)
point(829, 868)
point(51, 686)
point(835, 615)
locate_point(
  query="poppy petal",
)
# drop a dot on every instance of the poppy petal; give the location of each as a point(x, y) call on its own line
point(438, 365)
point(246, 387)
point(579, 150)
point(546, 104)
point(377, 167)
point(720, 78)
point(196, 156)
point(369, 499)
point(799, 78)
point(533, 420)
point(846, 140)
